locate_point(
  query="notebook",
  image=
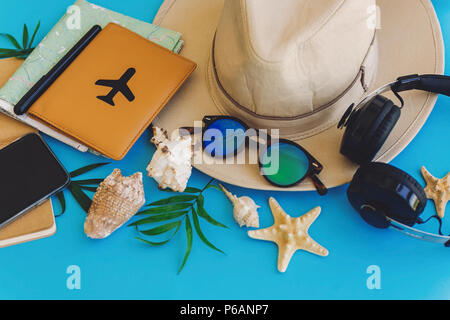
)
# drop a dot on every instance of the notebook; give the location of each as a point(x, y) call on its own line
point(110, 94)
point(39, 222)
point(54, 46)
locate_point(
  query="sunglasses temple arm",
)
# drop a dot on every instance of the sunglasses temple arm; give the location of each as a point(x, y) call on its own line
point(320, 187)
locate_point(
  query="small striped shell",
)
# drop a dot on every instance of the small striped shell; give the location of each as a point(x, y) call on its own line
point(245, 210)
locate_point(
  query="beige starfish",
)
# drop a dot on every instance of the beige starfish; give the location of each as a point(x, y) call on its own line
point(437, 190)
point(290, 234)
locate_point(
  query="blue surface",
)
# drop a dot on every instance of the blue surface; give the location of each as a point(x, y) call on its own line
point(124, 268)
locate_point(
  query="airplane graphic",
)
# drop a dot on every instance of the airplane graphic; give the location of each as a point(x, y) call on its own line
point(117, 86)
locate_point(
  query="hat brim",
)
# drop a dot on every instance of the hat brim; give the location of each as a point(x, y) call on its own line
point(404, 48)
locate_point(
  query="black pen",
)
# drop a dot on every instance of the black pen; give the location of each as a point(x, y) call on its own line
point(46, 81)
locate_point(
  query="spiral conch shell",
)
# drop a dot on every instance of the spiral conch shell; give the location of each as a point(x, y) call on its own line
point(245, 210)
point(117, 199)
point(171, 164)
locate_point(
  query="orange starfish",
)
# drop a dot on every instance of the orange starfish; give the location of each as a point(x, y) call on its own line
point(437, 190)
point(290, 234)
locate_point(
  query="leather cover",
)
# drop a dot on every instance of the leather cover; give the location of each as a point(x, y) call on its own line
point(36, 223)
point(72, 106)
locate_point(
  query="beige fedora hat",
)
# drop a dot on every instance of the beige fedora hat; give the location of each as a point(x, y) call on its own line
point(296, 65)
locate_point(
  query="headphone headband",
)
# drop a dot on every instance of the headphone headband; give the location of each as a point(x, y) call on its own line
point(434, 83)
point(419, 234)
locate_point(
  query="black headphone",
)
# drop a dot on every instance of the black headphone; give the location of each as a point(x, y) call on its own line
point(385, 196)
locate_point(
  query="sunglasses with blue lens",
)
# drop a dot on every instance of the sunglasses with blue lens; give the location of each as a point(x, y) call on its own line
point(224, 136)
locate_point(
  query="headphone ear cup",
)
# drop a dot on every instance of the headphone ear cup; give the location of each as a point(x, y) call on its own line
point(382, 132)
point(368, 128)
point(387, 191)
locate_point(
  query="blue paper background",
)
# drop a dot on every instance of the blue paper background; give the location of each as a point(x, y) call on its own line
point(121, 267)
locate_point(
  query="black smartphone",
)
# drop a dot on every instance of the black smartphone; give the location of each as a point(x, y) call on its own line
point(29, 174)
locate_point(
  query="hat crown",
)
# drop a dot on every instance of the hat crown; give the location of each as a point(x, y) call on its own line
point(288, 58)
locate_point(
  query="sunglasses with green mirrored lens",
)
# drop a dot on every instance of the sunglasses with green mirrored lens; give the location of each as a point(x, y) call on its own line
point(283, 163)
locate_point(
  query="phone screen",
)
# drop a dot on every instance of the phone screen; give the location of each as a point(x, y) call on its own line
point(29, 174)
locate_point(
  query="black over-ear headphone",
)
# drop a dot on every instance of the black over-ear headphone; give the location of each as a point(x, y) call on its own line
point(383, 195)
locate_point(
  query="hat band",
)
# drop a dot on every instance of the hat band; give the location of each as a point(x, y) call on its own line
point(305, 125)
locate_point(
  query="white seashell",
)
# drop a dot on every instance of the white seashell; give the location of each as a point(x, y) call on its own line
point(171, 164)
point(245, 210)
point(117, 199)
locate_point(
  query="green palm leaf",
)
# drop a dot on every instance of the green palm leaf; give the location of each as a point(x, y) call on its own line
point(88, 182)
point(213, 186)
point(174, 199)
point(187, 190)
point(34, 35)
point(189, 238)
point(159, 218)
point(80, 197)
point(178, 206)
point(76, 188)
point(200, 232)
point(152, 243)
point(12, 40)
point(167, 208)
point(202, 213)
point(155, 244)
point(25, 36)
point(4, 50)
point(15, 54)
point(62, 203)
point(160, 229)
point(86, 169)
point(192, 190)
point(91, 189)
point(20, 51)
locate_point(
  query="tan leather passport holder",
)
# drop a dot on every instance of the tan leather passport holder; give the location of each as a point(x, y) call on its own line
point(110, 94)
